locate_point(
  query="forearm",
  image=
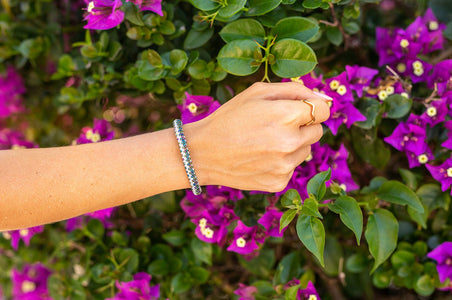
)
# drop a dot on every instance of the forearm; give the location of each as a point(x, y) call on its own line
point(39, 186)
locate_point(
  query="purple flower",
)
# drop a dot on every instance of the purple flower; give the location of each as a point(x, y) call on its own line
point(102, 215)
point(10, 139)
point(384, 41)
point(11, 90)
point(441, 76)
point(415, 160)
point(442, 173)
point(210, 229)
point(435, 113)
point(244, 239)
point(418, 70)
point(245, 292)
point(309, 80)
point(343, 113)
point(229, 193)
point(443, 256)
point(31, 282)
point(152, 5)
point(270, 221)
point(408, 137)
point(309, 293)
point(435, 38)
point(339, 88)
point(340, 172)
point(103, 14)
point(448, 143)
point(360, 77)
point(100, 132)
point(194, 205)
point(195, 108)
point(137, 289)
point(22, 234)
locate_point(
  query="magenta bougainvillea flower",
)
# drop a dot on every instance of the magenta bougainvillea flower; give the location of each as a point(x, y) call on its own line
point(10, 139)
point(435, 112)
point(408, 137)
point(137, 289)
point(31, 282)
point(440, 77)
point(22, 234)
point(103, 215)
point(359, 77)
point(152, 5)
point(309, 293)
point(11, 90)
point(442, 173)
point(270, 221)
point(244, 239)
point(101, 131)
point(340, 172)
point(103, 14)
point(343, 113)
point(443, 256)
point(245, 292)
point(195, 108)
point(448, 142)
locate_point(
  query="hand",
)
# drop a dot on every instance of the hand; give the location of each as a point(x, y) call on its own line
point(257, 139)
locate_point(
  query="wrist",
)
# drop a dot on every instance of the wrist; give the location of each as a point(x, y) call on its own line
point(197, 146)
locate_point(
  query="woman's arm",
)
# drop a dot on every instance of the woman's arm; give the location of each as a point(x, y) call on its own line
point(252, 142)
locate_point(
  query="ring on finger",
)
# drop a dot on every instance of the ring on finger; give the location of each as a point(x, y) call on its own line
point(312, 105)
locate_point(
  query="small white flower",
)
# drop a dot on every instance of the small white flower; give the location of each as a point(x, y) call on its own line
point(433, 25)
point(28, 286)
point(404, 43)
point(343, 187)
point(192, 108)
point(422, 159)
point(309, 158)
point(382, 95)
point(417, 65)
point(390, 90)
point(24, 232)
point(449, 172)
point(297, 79)
point(312, 297)
point(90, 7)
point(401, 68)
point(240, 242)
point(334, 84)
point(341, 90)
point(418, 72)
point(202, 222)
point(431, 111)
point(405, 95)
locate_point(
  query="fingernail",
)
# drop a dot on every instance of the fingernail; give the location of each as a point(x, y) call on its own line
point(326, 97)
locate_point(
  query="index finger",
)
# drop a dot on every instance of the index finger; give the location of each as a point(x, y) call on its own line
point(281, 90)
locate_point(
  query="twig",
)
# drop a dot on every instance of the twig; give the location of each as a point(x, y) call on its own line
point(442, 56)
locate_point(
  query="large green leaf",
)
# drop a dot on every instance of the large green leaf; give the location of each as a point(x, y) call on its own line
point(298, 28)
point(292, 58)
point(350, 214)
point(205, 4)
point(197, 38)
point(237, 56)
point(381, 235)
point(316, 185)
point(397, 106)
point(260, 7)
point(249, 29)
point(311, 232)
point(369, 147)
point(396, 192)
point(233, 7)
point(432, 196)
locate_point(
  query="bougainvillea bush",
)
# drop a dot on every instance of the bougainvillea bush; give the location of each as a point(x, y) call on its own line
point(366, 216)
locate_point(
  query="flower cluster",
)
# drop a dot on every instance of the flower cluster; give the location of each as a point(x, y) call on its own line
point(22, 234)
point(401, 49)
point(106, 14)
point(31, 282)
point(137, 289)
point(194, 108)
point(11, 90)
point(443, 256)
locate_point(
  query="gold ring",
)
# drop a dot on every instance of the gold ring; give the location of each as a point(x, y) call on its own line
point(312, 111)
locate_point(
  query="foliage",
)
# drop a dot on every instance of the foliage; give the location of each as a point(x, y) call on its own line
point(382, 168)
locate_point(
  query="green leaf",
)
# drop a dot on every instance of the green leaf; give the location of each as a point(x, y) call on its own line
point(233, 7)
point(286, 218)
point(205, 4)
point(196, 38)
point(356, 263)
point(333, 255)
point(158, 267)
point(147, 71)
point(381, 235)
point(396, 192)
point(260, 7)
point(397, 106)
point(310, 207)
point(299, 28)
point(432, 196)
point(312, 234)
point(237, 56)
point(402, 258)
point(198, 274)
point(291, 198)
point(180, 283)
point(127, 257)
point(370, 108)
point(409, 178)
point(175, 237)
point(442, 9)
point(202, 250)
point(292, 58)
point(96, 228)
point(419, 217)
point(350, 214)
point(133, 14)
point(291, 266)
point(334, 35)
point(425, 285)
point(316, 185)
point(291, 293)
point(243, 29)
point(178, 60)
point(369, 147)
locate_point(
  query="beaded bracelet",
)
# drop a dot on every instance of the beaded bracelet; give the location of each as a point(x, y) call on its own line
point(177, 124)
